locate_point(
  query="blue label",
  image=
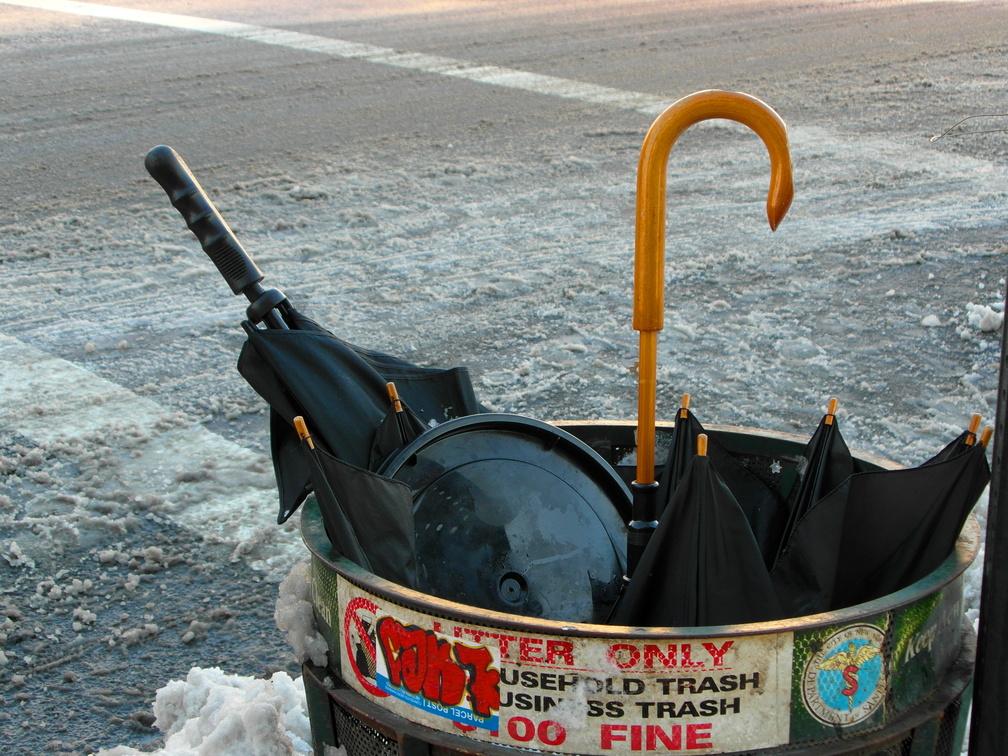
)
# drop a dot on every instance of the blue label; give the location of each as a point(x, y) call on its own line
point(454, 713)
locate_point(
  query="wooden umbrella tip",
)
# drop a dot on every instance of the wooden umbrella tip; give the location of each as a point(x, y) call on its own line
point(974, 425)
point(302, 430)
point(393, 395)
point(985, 436)
point(701, 445)
point(684, 407)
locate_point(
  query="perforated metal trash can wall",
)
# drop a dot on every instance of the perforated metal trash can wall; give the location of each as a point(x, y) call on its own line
point(417, 675)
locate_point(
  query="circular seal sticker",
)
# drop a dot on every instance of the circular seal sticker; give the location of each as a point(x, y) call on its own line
point(844, 682)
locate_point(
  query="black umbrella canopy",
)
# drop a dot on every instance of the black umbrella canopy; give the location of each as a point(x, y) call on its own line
point(398, 429)
point(762, 505)
point(824, 464)
point(805, 573)
point(368, 518)
point(702, 565)
point(902, 524)
point(963, 442)
point(341, 390)
point(682, 448)
point(879, 531)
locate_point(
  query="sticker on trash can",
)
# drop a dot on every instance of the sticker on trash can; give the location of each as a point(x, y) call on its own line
point(449, 678)
point(567, 694)
point(845, 680)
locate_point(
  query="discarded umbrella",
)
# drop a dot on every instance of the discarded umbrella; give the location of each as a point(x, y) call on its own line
point(299, 367)
point(879, 531)
point(702, 565)
point(378, 536)
point(649, 262)
point(824, 464)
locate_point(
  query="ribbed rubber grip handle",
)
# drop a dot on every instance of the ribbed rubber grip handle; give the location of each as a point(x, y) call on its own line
point(202, 218)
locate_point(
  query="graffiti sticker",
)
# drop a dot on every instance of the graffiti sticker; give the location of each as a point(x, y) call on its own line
point(359, 637)
point(445, 677)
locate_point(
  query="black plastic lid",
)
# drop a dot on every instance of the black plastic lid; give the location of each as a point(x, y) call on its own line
point(516, 515)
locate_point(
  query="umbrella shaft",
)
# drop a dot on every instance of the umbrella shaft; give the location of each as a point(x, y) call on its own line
point(647, 375)
point(273, 320)
point(642, 526)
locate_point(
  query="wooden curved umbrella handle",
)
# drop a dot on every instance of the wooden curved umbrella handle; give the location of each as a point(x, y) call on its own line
point(649, 256)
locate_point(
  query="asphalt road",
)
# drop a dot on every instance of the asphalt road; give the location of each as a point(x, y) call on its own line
point(84, 98)
point(105, 295)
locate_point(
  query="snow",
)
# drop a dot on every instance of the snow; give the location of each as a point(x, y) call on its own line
point(211, 713)
point(985, 318)
point(295, 618)
point(15, 557)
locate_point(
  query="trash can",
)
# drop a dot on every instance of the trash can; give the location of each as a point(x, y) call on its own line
point(414, 674)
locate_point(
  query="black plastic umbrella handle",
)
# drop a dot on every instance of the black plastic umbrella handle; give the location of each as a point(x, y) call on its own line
point(217, 239)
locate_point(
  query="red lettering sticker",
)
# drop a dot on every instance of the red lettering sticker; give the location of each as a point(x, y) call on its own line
point(718, 654)
point(530, 650)
point(551, 733)
point(559, 651)
point(670, 741)
point(653, 653)
point(521, 729)
point(698, 736)
point(611, 734)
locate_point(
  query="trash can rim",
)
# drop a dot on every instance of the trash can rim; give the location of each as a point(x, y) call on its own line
point(314, 537)
point(864, 456)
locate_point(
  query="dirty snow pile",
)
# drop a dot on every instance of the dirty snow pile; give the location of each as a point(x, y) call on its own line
point(211, 713)
point(294, 617)
point(214, 714)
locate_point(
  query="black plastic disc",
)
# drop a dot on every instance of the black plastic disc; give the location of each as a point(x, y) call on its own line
point(516, 515)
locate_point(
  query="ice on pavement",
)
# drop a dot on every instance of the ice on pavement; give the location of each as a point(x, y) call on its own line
point(985, 318)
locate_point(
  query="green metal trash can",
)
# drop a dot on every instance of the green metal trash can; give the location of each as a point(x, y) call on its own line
point(416, 675)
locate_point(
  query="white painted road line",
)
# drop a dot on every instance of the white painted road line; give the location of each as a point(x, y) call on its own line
point(47, 399)
point(501, 77)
